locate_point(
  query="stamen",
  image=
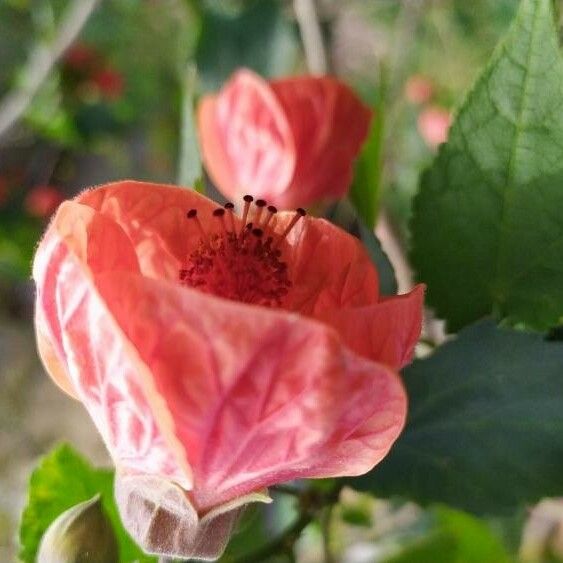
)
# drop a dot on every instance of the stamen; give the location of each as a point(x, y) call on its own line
point(192, 214)
point(229, 207)
point(271, 212)
point(260, 204)
point(220, 214)
point(248, 199)
point(246, 267)
point(299, 212)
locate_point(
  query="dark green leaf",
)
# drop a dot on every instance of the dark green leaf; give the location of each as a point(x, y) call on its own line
point(485, 427)
point(487, 225)
point(62, 480)
point(260, 38)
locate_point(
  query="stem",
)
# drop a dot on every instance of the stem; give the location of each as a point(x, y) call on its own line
point(311, 502)
point(326, 520)
point(282, 544)
point(41, 61)
point(311, 35)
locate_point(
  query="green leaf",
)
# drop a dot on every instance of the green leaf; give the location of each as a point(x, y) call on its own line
point(62, 480)
point(260, 37)
point(364, 193)
point(485, 425)
point(452, 536)
point(487, 225)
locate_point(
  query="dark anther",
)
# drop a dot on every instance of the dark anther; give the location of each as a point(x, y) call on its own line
point(301, 211)
point(229, 205)
point(257, 232)
point(219, 212)
point(191, 213)
point(260, 203)
point(272, 209)
point(248, 198)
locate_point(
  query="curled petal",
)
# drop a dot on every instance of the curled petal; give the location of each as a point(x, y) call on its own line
point(161, 518)
point(330, 268)
point(386, 331)
point(153, 216)
point(246, 143)
point(329, 124)
point(78, 344)
point(257, 396)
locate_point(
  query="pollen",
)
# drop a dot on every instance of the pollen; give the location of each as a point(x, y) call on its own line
point(243, 264)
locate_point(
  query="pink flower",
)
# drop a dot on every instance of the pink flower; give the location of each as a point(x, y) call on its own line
point(433, 125)
point(217, 355)
point(291, 141)
point(419, 89)
point(42, 201)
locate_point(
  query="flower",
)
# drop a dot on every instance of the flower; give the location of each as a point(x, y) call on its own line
point(433, 125)
point(419, 89)
point(291, 142)
point(218, 355)
point(41, 201)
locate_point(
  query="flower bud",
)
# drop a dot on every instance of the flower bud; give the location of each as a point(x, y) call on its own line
point(81, 534)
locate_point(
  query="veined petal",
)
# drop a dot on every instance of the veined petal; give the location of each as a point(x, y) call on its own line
point(246, 142)
point(329, 124)
point(154, 218)
point(79, 346)
point(257, 396)
point(386, 331)
point(329, 268)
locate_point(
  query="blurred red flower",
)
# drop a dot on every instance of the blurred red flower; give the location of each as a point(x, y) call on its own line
point(218, 355)
point(42, 201)
point(433, 125)
point(291, 141)
point(419, 89)
point(81, 57)
point(109, 82)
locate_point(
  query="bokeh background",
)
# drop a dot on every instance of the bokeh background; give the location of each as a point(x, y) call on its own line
point(93, 91)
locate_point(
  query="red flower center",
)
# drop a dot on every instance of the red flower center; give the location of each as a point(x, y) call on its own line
point(244, 264)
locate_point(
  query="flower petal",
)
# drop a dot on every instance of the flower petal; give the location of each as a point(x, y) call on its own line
point(257, 396)
point(386, 331)
point(154, 218)
point(329, 124)
point(80, 348)
point(328, 267)
point(246, 143)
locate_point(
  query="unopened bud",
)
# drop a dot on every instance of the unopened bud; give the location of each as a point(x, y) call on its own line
point(82, 534)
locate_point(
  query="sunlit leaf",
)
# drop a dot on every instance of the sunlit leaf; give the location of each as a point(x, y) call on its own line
point(487, 225)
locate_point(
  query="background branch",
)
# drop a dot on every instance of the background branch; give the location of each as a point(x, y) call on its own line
point(41, 62)
point(311, 35)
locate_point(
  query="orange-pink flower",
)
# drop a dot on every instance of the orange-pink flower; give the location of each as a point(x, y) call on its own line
point(433, 125)
point(218, 355)
point(291, 142)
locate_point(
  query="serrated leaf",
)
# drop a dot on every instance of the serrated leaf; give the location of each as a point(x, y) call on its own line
point(485, 426)
point(487, 225)
point(62, 480)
